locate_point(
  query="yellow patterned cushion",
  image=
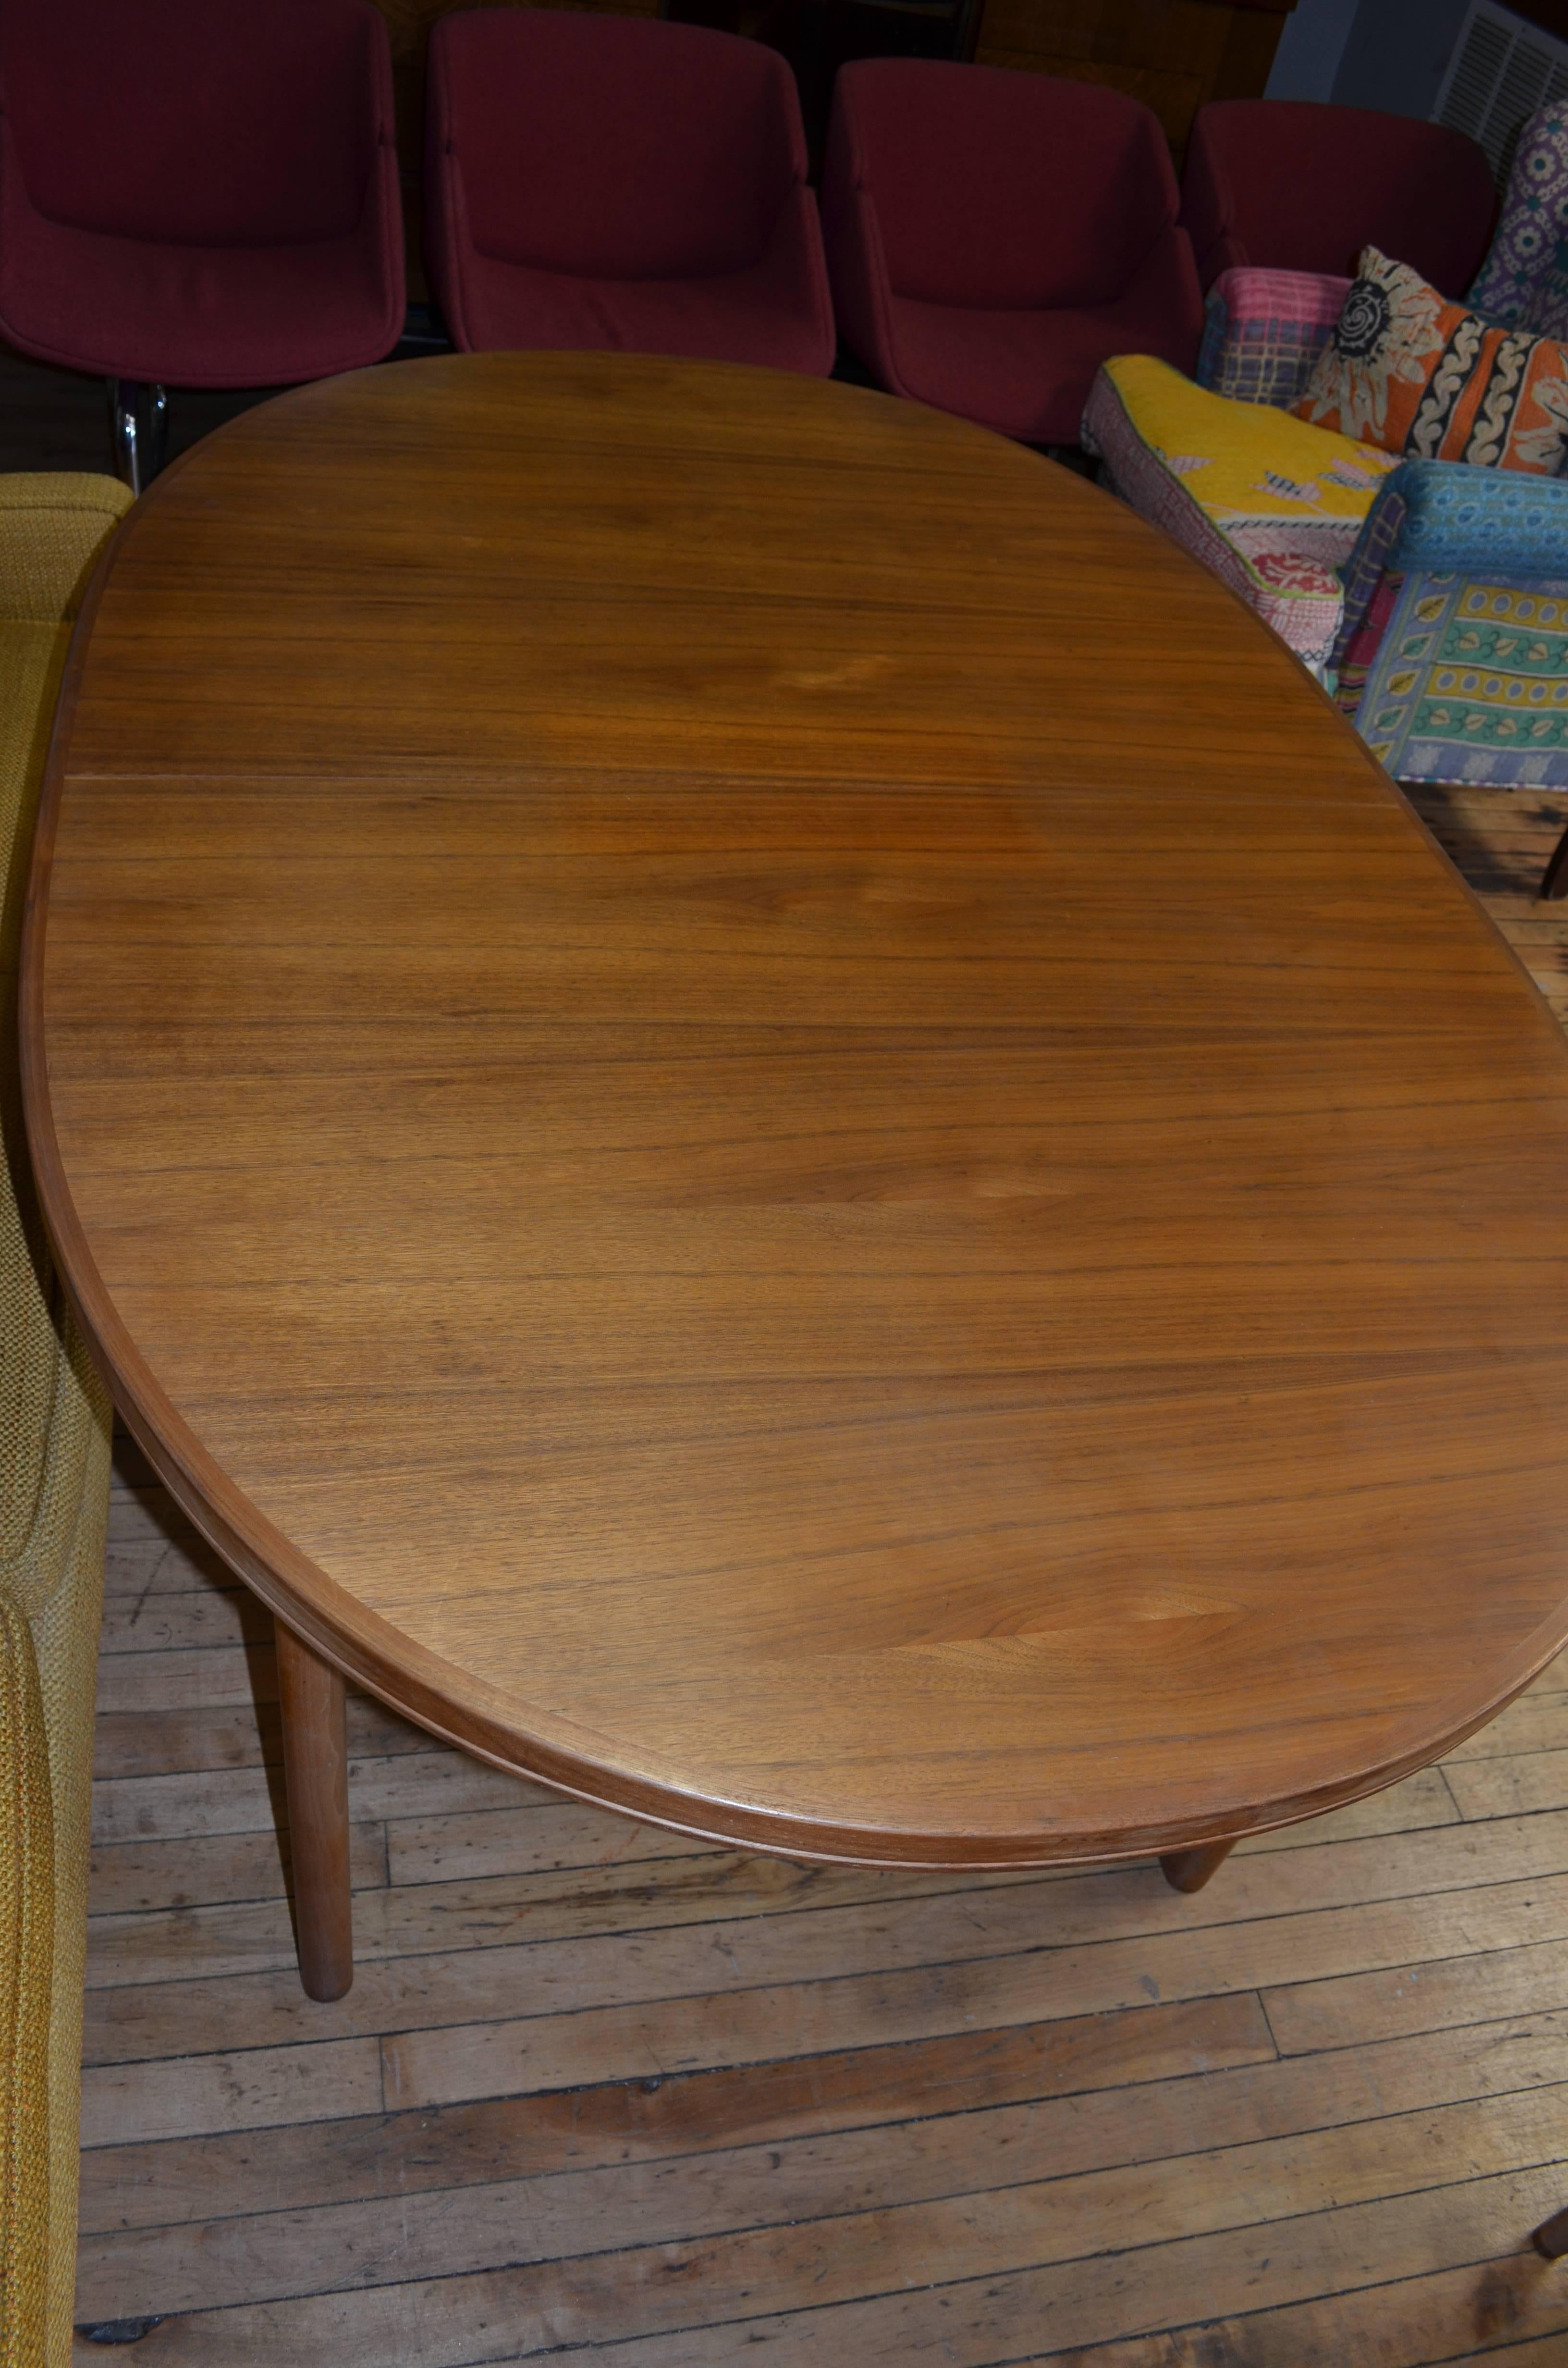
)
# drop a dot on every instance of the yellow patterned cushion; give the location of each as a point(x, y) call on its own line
point(1245, 464)
point(1269, 504)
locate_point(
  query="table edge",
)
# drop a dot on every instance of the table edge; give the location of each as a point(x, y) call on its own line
point(370, 1653)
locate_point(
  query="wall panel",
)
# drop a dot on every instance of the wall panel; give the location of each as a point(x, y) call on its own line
point(1171, 54)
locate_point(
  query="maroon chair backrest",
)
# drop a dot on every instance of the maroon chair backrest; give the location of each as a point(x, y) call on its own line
point(612, 147)
point(1002, 190)
point(1290, 185)
point(196, 123)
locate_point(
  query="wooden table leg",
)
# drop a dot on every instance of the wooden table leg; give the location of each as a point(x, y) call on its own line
point(315, 1764)
point(1551, 2237)
point(1190, 1870)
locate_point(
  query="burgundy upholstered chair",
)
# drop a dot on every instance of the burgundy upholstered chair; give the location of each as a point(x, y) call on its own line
point(616, 182)
point(198, 192)
point(1289, 185)
point(992, 237)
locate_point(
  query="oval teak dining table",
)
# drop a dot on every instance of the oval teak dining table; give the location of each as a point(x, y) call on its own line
point(768, 1118)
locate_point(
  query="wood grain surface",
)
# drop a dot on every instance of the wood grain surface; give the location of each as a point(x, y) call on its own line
point(706, 2103)
point(1173, 59)
point(645, 1179)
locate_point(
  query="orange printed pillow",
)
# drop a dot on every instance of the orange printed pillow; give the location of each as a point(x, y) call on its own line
point(1407, 371)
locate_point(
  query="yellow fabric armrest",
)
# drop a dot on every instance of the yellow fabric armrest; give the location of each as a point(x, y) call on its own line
point(27, 1952)
point(51, 530)
point(54, 1443)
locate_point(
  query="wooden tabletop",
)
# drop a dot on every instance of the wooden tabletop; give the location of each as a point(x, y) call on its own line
point(767, 1115)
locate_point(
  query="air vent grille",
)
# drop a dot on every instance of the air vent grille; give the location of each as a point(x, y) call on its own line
point(1502, 71)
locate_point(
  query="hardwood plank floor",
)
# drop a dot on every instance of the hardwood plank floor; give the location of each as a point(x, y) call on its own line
point(598, 2088)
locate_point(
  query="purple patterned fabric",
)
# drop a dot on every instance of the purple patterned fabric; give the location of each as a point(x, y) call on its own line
point(1264, 330)
point(1364, 569)
point(1524, 281)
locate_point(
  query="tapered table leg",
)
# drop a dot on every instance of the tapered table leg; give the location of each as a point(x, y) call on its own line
point(1551, 2237)
point(316, 1763)
point(1190, 1870)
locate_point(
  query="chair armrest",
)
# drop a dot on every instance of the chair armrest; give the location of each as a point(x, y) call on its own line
point(1446, 517)
point(27, 1969)
point(856, 266)
point(52, 533)
point(1457, 519)
point(1264, 330)
point(796, 265)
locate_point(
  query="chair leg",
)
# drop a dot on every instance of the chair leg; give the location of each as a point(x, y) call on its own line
point(1554, 878)
point(138, 430)
point(1551, 2237)
point(1190, 1870)
point(315, 1770)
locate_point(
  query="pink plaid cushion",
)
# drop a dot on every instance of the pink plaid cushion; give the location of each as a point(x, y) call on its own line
point(1264, 330)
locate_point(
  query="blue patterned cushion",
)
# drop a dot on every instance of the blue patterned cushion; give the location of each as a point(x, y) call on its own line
point(1499, 522)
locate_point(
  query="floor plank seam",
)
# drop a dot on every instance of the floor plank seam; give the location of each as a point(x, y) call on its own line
point(476, 2189)
point(122, 1921)
point(941, 2285)
point(1334, 2016)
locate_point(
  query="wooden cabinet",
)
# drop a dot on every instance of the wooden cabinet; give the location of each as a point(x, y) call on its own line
point(1172, 54)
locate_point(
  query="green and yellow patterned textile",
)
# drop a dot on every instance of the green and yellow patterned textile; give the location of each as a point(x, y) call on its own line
point(1470, 682)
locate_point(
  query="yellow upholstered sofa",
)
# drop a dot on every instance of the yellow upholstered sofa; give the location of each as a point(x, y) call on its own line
point(55, 1443)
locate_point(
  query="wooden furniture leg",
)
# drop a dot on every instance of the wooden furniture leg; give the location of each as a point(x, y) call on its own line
point(1555, 880)
point(1190, 1870)
point(316, 1765)
point(1551, 2237)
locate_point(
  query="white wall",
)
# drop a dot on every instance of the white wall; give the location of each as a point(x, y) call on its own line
point(1398, 53)
point(1387, 53)
point(1311, 48)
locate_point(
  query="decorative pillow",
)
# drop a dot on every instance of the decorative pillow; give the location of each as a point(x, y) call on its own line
point(1271, 506)
point(1264, 330)
point(1406, 369)
point(1524, 280)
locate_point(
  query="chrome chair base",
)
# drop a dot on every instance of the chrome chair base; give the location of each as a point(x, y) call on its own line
point(137, 429)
